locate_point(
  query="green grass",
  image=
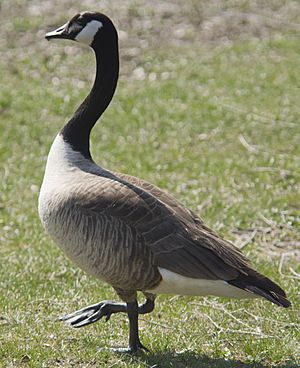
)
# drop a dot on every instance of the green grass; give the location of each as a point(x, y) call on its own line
point(214, 123)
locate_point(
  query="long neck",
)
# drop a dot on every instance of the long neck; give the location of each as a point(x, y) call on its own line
point(77, 130)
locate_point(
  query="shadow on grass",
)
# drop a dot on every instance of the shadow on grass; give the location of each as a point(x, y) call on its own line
point(189, 359)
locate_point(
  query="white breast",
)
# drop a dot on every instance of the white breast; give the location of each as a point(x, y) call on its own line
point(68, 174)
point(64, 167)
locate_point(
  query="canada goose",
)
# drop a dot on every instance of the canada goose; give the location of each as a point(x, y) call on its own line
point(121, 229)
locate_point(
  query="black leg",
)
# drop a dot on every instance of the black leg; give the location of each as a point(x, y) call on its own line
point(133, 315)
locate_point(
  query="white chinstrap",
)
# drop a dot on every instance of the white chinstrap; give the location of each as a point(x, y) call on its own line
point(87, 34)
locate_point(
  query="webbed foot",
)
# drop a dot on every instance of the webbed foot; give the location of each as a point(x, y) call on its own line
point(93, 313)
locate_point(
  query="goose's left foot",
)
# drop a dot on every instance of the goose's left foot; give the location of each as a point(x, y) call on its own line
point(93, 313)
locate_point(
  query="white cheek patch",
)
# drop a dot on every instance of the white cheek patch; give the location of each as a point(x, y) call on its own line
point(87, 34)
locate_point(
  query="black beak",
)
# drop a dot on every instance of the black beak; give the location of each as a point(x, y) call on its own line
point(61, 32)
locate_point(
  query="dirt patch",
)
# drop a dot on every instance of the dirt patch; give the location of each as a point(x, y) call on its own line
point(144, 24)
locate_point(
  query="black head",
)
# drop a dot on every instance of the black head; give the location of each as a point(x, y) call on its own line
point(85, 27)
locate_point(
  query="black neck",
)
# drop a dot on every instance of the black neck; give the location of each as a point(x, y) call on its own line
point(77, 129)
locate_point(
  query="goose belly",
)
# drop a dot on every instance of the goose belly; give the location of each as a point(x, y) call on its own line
point(74, 237)
point(173, 283)
point(96, 245)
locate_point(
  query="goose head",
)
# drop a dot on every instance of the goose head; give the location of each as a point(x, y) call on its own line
point(88, 28)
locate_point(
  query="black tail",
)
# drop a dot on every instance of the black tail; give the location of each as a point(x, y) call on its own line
point(256, 283)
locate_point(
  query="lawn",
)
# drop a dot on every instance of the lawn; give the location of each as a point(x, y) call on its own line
point(208, 108)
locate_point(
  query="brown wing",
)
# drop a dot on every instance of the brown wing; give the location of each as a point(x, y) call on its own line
point(164, 197)
point(179, 241)
point(203, 248)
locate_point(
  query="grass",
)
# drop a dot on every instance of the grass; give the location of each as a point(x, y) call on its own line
point(213, 121)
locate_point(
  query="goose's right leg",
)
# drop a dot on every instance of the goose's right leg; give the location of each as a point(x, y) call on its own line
point(105, 309)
